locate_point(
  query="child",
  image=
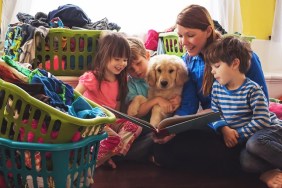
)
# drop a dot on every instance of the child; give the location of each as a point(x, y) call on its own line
point(244, 109)
point(107, 85)
point(137, 85)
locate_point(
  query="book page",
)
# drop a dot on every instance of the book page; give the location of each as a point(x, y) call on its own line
point(138, 121)
point(178, 119)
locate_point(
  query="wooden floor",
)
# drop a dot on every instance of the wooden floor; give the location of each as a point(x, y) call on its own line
point(136, 175)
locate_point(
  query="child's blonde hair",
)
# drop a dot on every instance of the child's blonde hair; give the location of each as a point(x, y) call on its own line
point(137, 48)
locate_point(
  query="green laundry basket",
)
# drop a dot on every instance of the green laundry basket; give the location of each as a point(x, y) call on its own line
point(35, 165)
point(67, 52)
point(22, 115)
point(171, 43)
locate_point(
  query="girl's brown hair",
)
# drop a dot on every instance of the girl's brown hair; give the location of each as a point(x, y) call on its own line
point(198, 17)
point(112, 45)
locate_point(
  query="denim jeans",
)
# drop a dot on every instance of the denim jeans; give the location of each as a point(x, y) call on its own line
point(263, 151)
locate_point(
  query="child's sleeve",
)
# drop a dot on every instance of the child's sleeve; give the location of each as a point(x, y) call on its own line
point(217, 125)
point(88, 80)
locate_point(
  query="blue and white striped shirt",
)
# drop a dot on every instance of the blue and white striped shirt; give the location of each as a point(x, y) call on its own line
point(244, 109)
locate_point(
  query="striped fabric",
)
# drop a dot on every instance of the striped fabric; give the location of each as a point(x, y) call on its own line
point(244, 109)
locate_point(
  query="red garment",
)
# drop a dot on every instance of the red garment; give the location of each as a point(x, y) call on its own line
point(152, 39)
point(55, 64)
point(7, 75)
point(2, 181)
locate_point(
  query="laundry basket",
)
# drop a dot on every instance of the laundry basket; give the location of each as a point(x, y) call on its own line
point(171, 44)
point(67, 52)
point(25, 117)
point(35, 165)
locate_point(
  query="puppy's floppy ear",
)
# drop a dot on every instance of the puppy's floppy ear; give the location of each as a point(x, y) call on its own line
point(181, 75)
point(151, 75)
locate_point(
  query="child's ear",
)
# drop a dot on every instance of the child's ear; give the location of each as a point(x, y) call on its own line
point(236, 63)
point(148, 55)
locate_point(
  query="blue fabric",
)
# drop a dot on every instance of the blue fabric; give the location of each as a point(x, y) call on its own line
point(244, 109)
point(136, 86)
point(61, 94)
point(217, 125)
point(82, 109)
point(263, 151)
point(192, 95)
point(71, 15)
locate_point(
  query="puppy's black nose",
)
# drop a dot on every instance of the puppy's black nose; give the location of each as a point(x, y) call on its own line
point(164, 83)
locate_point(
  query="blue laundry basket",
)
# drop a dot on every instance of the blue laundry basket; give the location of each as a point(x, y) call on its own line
point(35, 165)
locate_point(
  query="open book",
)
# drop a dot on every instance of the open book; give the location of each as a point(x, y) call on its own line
point(175, 124)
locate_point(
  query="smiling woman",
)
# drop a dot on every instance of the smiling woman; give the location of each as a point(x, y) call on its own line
point(133, 18)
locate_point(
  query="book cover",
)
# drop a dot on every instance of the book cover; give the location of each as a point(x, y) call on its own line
point(175, 124)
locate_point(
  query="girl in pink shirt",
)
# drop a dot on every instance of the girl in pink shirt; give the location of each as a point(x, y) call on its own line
point(107, 85)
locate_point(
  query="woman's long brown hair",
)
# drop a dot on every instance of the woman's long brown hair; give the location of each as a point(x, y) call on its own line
point(198, 17)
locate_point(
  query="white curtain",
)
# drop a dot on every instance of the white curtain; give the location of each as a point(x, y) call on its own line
point(276, 35)
point(134, 18)
point(10, 9)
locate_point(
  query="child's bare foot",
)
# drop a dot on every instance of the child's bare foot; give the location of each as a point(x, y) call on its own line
point(112, 163)
point(109, 162)
point(152, 159)
point(272, 178)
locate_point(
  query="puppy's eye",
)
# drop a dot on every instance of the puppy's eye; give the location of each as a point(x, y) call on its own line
point(171, 71)
point(159, 70)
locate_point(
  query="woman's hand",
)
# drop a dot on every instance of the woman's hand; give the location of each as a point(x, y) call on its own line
point(165, 105)
point(230, 136)
point(162, 140)
point(175, 101)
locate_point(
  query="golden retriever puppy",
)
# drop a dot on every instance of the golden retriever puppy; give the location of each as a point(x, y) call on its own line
point(165, 76)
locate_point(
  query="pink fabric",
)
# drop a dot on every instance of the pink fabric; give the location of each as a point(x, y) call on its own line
point(30, 135)
point(2, 181)
point(106, 96)
point(152, 39)
point(276, 108)
point(55, 64)
point(121, 136)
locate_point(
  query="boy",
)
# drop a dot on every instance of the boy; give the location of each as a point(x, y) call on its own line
point(139, 60)
point(246, 120)
point(137, 85)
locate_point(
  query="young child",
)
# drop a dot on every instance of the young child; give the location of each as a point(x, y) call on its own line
point(139, 60)
point(137, 85)
point(107, 85)
point(246, 120)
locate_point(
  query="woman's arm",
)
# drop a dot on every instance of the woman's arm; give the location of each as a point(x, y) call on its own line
point(190, 101)
point(255, 73)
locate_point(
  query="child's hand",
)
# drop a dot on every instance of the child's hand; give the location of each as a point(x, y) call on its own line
point(165, 105)
point(230, 136)
point(175, 101)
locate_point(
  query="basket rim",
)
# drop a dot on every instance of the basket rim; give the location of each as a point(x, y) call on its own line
point(41, 105)
point(51, 147)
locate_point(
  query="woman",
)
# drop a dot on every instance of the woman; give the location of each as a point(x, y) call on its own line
point(200, 149)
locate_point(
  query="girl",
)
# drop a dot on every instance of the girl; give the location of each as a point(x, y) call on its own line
point(107, 85)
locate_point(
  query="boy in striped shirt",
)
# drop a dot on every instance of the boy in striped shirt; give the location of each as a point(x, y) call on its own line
point(246, 120)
